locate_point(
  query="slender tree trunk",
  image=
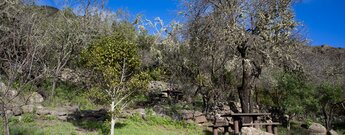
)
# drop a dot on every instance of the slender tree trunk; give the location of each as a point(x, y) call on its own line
point(52, 94)
point(288, 124)
point(244, 91)
point(113, 119)
point(5, 121)
point(324, 111)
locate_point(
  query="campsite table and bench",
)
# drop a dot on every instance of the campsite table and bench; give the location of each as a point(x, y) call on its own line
point(175, 95)
point(238, 119)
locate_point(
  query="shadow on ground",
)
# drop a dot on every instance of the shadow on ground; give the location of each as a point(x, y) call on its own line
point(92, 120)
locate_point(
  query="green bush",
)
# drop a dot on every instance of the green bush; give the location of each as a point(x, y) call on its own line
point(14, 120)
point(28, 118)
point(105, 128)
point(49, 117)
point(154, 120)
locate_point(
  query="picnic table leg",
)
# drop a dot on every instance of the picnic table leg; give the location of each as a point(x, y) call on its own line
point(226, 130)
point(215, 130)
point(269, 128)
point(256, 125)
point(236, 127)
point(275, 130)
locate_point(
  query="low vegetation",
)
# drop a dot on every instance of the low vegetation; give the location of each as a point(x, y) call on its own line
point(243, 52)
point(134, 125)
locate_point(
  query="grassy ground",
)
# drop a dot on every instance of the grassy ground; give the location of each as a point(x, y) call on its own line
point(135, 125)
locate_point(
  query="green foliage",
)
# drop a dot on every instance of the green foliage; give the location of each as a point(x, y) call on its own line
point(293, 94)
point(329, 99)
point(66, 93)
point(109, 54)
point(98, 96)
point(154, 120)
point(14, 120)
point(329, 94)
point(308, 122)
point(28, 118)
point(115, 58)
point(157, 74)
point(145, 41)
point(49, 117)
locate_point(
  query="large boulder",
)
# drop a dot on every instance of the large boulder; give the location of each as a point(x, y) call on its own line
point(44, 111)
point(197, 113)
point(17, 111)
point(31, 108)
point(157, 86)
point(317, 129)
point(253, 131)
point(69, 75)
point(187, 114)
point(332, 132)
point(200, 119)
point(220, 121)
point(35, 98)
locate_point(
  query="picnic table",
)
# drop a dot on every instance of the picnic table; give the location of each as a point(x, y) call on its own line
point(175, 95)
point(237, 123)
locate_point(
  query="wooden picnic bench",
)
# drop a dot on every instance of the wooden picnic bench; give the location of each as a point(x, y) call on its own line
point(174, 94)
point(237, 123)
point(215, 128)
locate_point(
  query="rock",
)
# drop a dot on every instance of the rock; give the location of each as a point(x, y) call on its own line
point(72, 108)
point(60, 113)
point(218, 120)
point(9, 113)
point(157, 86)
point(200, 119)
point(317, 129)
point(17, 111)
point(139, 111)
point(332, 132)
point(69, 75)
point(187, 114)
point(63, 118)
point(197, 113)
point(2, 85)
point(35, 98)
point(11, 93)
point(31, 108)
point(221, 121)
point(226, 108)
point(253, 131)
point(43, 111)
point(235, 106)
point(190, 121)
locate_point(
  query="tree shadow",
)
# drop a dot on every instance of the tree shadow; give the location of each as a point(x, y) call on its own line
point(207, 132)
point(92, 120)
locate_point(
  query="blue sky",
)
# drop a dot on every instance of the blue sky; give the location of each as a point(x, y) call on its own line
point(323, 20)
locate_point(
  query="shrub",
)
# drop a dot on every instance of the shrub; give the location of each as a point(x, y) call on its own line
point(49, 117)
point(27, 118)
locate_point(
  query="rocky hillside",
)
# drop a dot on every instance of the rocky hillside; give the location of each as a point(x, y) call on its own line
point(323, 63)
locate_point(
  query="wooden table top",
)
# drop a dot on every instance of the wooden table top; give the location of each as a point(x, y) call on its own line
point(245, 114)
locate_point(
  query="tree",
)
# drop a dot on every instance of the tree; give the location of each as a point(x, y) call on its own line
point(116, 59)
point(293, 96)
point(330, 99)
point(20, 64)
point(68, 34)
point(244, 36)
